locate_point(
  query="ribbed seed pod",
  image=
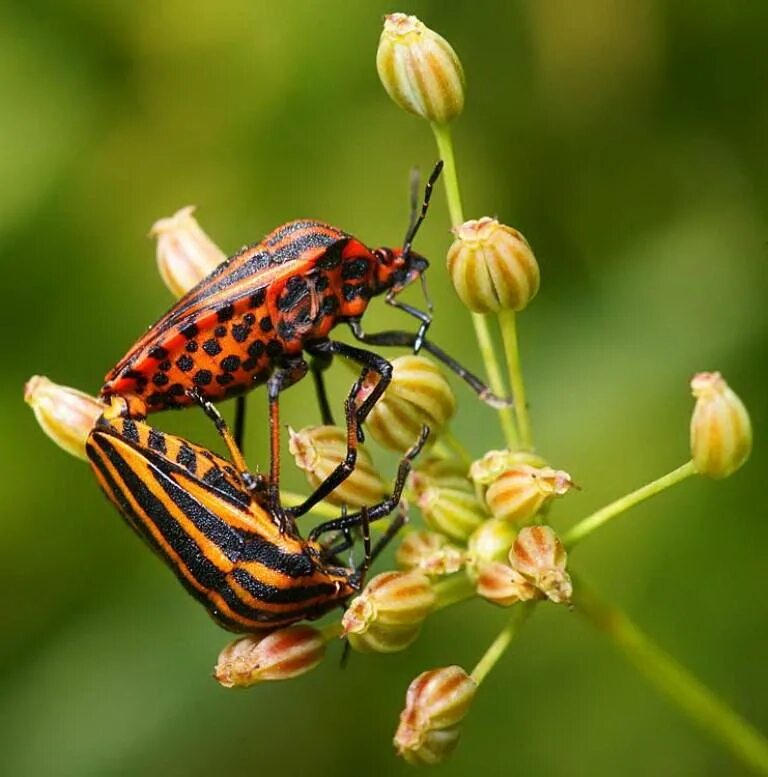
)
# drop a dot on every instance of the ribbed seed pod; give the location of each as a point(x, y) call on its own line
point(185, 254)
point(540, 557)
point(435, 703)
point(493, 464)
point(65, 414)
point(492, 267)
point(387, 615)
point(721, 431)
point(453, 512)
point(521, 492)
point(418, 396)
point(281, 655)
point(490, 542)
point(419, 69)
point(319, 449)
point(429, 553)
point(502, 585)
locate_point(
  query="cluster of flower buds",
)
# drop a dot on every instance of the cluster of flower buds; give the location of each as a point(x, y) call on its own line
point(492, 267)
point(435, 703)
point(429, 553)
point(494, 464)
point(318, 450)
point(721, 432)
point(280, 655)
point(417, 396)
point(524, 491)
point(65, 414)
point(185, 254)
point(539, 556)
point(387, 615)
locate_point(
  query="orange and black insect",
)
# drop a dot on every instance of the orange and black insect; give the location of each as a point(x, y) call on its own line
point(203, 515)
point(252, 320)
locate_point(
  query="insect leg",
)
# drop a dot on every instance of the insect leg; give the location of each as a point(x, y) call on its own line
point(239, 425)
point(318, 366)
point(250, 481)
point(370, 362)
point(383, 508)
point(409, 340)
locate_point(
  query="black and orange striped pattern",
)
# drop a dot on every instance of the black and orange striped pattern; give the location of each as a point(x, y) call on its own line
point(191, 507)
point(261, 305)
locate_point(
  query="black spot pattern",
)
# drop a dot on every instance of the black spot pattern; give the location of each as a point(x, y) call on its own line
point(265, 324)
point(203, 377)
point(240, 332)
point(226, 313)
point(220, 331)
point(256, 349)
point(211, 347)
point(257, 298)
point(158, 352)
point(190, 331)
point(185, 363)
point(230, 363)
point(160, 379)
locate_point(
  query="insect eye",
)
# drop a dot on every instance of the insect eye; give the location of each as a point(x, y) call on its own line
point(384, 256)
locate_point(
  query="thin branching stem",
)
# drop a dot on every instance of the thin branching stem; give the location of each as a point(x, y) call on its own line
point(508, 324)
point(497, 648)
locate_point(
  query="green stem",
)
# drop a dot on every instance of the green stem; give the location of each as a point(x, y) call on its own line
point(508, 323)
point(676, 682)
point(444, 141)
point(452, 590)
point(605, 514)
point(455, 445)
point(497, 648)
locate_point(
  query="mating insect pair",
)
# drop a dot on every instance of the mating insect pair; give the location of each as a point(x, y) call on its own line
point(226, 533)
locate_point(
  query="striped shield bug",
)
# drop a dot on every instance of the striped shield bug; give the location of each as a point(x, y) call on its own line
point(253, 319)
point(206, 518)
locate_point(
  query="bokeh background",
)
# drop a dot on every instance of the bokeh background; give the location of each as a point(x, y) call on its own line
point(625, 138)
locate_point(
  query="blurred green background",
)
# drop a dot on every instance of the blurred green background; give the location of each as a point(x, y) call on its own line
point(625, 138)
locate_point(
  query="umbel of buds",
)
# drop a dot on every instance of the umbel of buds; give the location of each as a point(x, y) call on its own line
point(185, 254)
point(492, 267)
point(539, 556)
point(280, 655)
point(435, 703)
point(418, 396)
point(721, 432)
point(387, 615)
point(65, 414)
point(521, 492)
point(429, 553)
point(319, 449)
point(419, 69)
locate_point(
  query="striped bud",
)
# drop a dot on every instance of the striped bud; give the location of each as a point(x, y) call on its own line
point(418, 396)
point(429, 553)
point(721, 432)
point(494, 463)
point(445, 473)
point(387, 615)
point(419, 69)
point(281, 655)
point(523, 491)
point(502, 585)
point(319, 449)
point(492, 267)
point(65, 414)
point(185, 254)
point(540, 557)
point(453, 512)
point(435, 703)
point(490, 542)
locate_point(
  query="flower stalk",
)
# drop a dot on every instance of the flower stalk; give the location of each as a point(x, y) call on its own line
point(498, 647)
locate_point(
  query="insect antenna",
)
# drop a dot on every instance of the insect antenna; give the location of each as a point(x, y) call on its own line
point(416, 221)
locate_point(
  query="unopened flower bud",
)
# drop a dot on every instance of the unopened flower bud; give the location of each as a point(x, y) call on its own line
point(65, 414)
point(185, 254)
point(721, 432)
point(435, 703)
point(494, 463)
point(502, 585)
point(387, 615)
point(418, 396)
point(521, 492)
point(444, 473)
point(453, 512)
point(280, 655)
point(492, 267)
point(490, 542)
point(419, 69)
point(429, 553)
point(540, 557)
point(318, 450)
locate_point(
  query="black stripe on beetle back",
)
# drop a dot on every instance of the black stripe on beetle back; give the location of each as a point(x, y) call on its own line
point(157, 441)
point(307, 241)
point(204, 572)
point(279, 234)
point(187, 458)
point(275, 595)
point(130, 430)
point(270, 556)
